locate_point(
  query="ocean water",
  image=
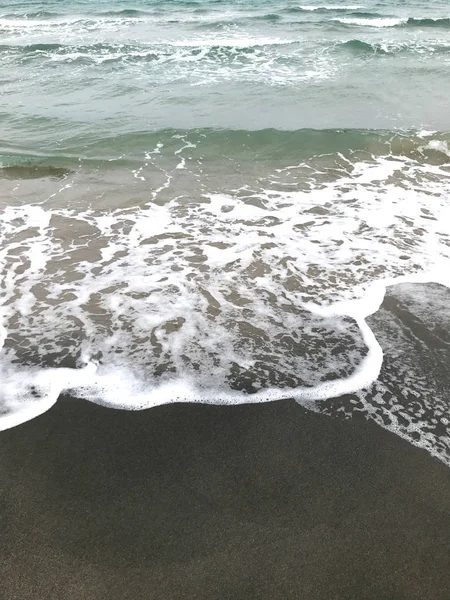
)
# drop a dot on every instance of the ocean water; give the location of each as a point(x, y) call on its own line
point(203, 201)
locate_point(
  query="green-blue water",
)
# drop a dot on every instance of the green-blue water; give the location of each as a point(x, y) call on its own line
point(75, 71)
point(190, 190)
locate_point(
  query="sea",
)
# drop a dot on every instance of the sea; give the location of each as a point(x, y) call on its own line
point(205, 201)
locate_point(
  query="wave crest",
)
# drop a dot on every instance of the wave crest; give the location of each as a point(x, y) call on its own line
point(391, 49)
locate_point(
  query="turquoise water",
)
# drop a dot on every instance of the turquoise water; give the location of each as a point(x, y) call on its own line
point(203, 201)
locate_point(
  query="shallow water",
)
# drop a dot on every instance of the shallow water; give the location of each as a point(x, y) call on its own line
point(203, 201)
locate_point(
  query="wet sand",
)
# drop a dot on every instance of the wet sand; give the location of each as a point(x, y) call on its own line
point(208, 502)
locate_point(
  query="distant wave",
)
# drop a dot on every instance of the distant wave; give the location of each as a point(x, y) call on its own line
point(444, 23)
point(42, 14)
point(370, 22)
point(354, 16)
point(270, 17)
point(24, 49)
point(359, 46)
point(322, 8)
point(364, 47)
point(240, 43)
point(126, 12)
point(365, 20)
point(225, 51)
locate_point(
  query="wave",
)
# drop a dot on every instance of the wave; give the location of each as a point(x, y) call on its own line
point(355, 15)
point(30, 169)
point(224, 43)
point(264, 145)
point(49, 21)
point(27, 48)
point(391, 49)
point(321, 8)
point(126, 12)
point(379, 21)
point(364, 47)
point(201, 17)
point(219, 48)
point(370, 22)
point(31, 16)
point(196, 48)
point(442, 23)
point(271, 17)
point(48, 15)
point(252, 286)
point(202, 60)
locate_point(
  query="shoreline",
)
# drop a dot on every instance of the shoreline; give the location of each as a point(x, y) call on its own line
point(363, 310)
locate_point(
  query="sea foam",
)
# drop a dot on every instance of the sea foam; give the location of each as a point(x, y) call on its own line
point(231, 296)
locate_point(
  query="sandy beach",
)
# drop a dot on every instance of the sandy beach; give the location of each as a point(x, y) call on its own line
point(194, 502)
point(224, 300)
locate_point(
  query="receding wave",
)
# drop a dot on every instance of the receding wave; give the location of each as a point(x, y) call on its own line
point(212, 265)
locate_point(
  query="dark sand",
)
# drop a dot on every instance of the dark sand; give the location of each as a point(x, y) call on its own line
point(202, 502)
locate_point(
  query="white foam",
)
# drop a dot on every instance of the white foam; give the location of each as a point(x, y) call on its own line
point(195, 285)
point(371, 22)
point(424, 133)
point(202, 60)
point(121, 389)
point(439, 146)
point(26, 394)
